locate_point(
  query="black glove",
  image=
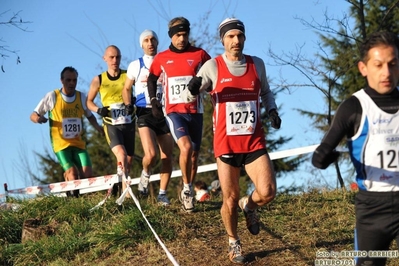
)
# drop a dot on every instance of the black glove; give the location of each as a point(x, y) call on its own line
point(194, 85)
point(103, 111)
point(130, 109)
point(156, 108)
point(323, 161)
point(275, 120)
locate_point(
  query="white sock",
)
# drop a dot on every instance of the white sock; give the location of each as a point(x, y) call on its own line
point(246, 206)
point(162, 192)
point(186, 187)
point(146, 174)
point(233, 241)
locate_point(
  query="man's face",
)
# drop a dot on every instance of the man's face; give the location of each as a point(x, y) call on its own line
point(233, 42)
point(112, 57)
point(381, 68)
point(69, 82)
point(180, 40)
point(150, 45)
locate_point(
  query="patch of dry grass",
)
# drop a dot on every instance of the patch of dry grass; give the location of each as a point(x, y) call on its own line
point(294, 228)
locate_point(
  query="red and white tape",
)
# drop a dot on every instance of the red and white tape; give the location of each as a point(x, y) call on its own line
point(105, 182)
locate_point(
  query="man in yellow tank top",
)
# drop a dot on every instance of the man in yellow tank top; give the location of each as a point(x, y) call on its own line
point(119, 125)
point(66, 107)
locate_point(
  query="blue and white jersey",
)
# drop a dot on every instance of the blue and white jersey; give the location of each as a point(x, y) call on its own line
point(374, 149)
point(138, 70)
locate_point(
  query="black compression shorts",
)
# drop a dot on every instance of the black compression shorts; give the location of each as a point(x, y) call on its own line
point(121, 135)
point(146, 119)
point(240, 159)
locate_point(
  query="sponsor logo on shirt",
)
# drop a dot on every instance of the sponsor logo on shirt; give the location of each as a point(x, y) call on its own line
point(384, 177)
point(223, 80)
point(169, 62)
point(392, 140)
point(242, 105)
point(382, 121)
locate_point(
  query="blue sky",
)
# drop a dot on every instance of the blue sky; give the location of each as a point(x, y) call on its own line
point(75, 33)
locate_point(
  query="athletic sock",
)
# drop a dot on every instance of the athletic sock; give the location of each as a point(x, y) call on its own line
point(145, 173)
point(233, 241)
point(246, 206)
point(186, 187)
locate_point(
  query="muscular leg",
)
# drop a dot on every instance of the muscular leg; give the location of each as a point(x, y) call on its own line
point(87, 171)
point(71, 174)
point(194, 166)
point(229, 182)
point(262, 175)
point(185, 160)
point(147, 137)
point(121, 156)
point(166, 149)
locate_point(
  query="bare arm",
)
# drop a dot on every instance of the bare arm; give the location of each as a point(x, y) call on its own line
point(93, 121)
point(91, 95)
point(127, 91)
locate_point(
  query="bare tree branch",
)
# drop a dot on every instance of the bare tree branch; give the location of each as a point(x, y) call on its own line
point(17, 22)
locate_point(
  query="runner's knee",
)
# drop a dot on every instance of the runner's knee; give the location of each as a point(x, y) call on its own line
point(71, 174)
point(87, 171)
point(267, 193)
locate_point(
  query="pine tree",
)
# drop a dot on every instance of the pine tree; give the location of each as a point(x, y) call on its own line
point(333, 71)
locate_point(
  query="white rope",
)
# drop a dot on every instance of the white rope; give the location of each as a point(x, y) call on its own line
point(103, 201)
point(107, 182)
point(119, 201)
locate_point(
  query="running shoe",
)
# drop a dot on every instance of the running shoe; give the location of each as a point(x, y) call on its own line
point(187, 200)
point(163, 200)
point(251, 217)
point(235, 255)
point(143, 184)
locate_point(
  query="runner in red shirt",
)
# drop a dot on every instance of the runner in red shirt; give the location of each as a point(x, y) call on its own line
point(179, 64)
point(236, 82)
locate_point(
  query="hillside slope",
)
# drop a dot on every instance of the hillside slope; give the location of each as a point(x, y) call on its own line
point(294, 229)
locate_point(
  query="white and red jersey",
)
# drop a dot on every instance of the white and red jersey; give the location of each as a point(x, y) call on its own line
point(236, 119)
point(178, 70)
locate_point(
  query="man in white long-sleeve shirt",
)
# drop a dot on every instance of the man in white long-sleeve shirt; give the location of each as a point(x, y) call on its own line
point(235, 83)
point(152, 130)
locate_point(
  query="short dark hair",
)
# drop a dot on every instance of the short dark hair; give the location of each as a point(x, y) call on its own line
point(200, 185)
point(177, 21)
point(376, 39)
point(70, 69)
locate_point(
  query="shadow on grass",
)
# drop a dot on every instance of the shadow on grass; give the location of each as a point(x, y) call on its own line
point(262, 254)
point(331, 244)
point(293, 248)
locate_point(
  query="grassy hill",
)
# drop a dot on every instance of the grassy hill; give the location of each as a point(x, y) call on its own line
point(294, 228)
